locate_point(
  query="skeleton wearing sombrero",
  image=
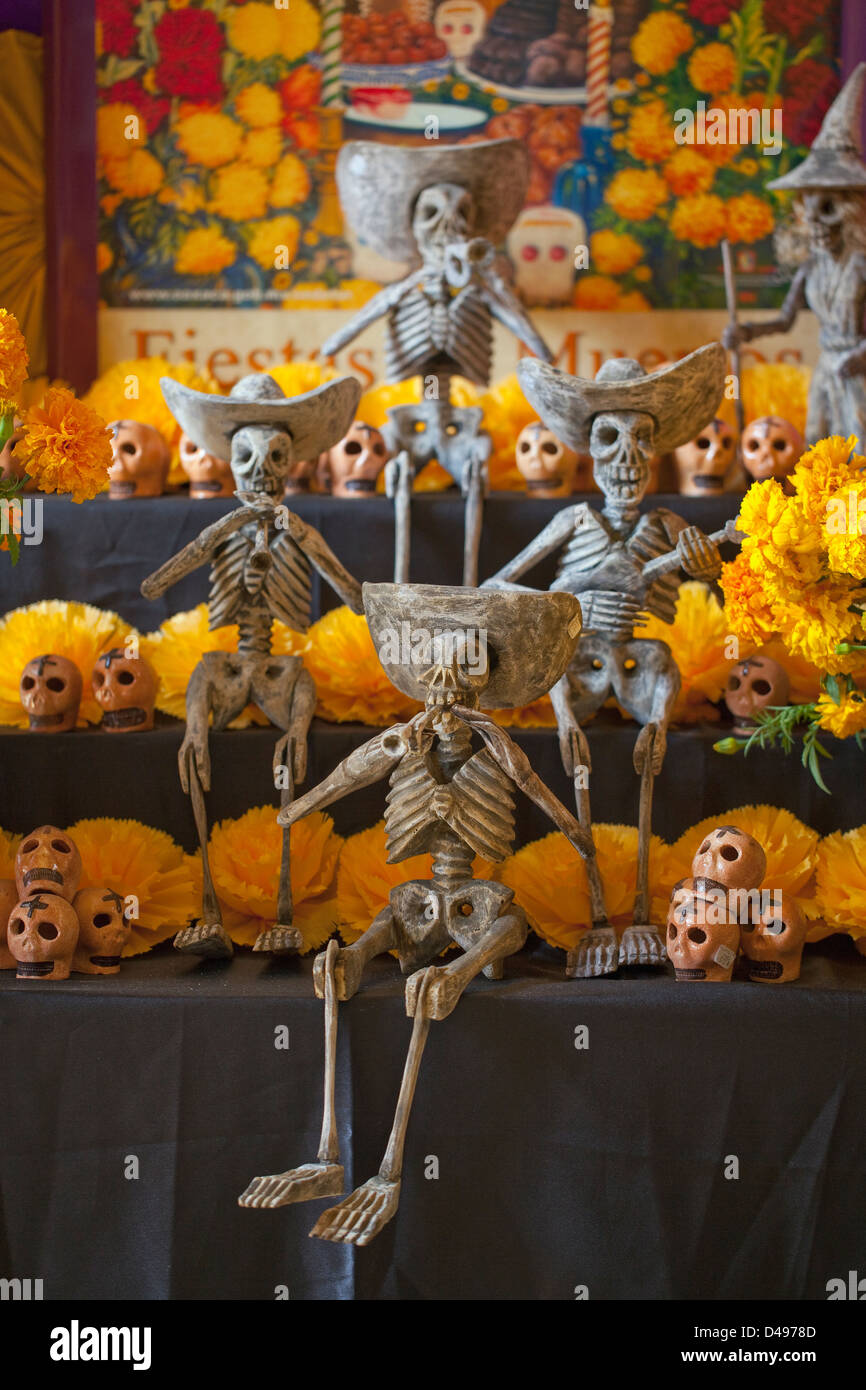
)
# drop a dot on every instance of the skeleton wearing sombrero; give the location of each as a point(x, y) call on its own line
point(621, 565)
point(448, 208)
point(260, 557)
point(830, 204)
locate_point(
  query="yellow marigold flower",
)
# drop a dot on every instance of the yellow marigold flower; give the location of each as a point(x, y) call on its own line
point(747, 607)
point(255, 29)
point(620, 106)
point(14, 358)
point(300, 29)
point(748, 168)
point(311, 237)
point(116, 133)
point(618, 142)
point(276, 232)
point(187, 196)
point(642, 79)
point(66, 446)
point(846, 718)
point(137, 176)
point(824, 470)
point(749, 218)
point(687, 172)
point(845, 530)
point(712, 68)
point(614, 253)
point(258, 106)
point(209, 138)
point(650, 134)
point(204, 251)
point(499, 104)
point(699, 219)
point(262, 148)
point(291, 183)
point(240, 193)
point(633, 301)
point(636, 194)
point(596, 292)
point(460, 91)
point(660, 40)
point(817, 622)
point(643, 272)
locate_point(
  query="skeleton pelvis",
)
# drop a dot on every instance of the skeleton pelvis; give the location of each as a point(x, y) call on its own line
point(224, 683)
point(432, 917)
point(629, 670)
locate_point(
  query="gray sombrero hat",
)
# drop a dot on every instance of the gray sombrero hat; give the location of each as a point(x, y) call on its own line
point(316, 420)
point(681, 398)
point(530, 637)
point(379, 185)
point(836, 157)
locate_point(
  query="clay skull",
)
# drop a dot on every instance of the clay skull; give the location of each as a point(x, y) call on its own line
point(356, 462)
point(125, 688)
point(546, 464)
point(755, 685)
point(300, 476)
point(701, 941)
point(208, 475)
point(771, 448)
point(774, 944)
point(104, 931)
point(141, 460)
point(42, 935)
point(9, 896)
point(460, 24)
point(703, 464)
point(48, 860)
point(50, 691)
point(731, 857)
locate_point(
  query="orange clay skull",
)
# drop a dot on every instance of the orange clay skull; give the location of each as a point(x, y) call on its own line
point(703, 464)
point(701, 941)
point(104, 931)
point(300, 476)
point(771, 447)
point(42, 935)
point(141, 460)
point(356, 462)
point(48, 862)
point(125, 689)
point(50, 691)
point(774, 944)
point(753, 686)
point(731, 857)
point(9, 896)
point(208, 475)
point(546, 464)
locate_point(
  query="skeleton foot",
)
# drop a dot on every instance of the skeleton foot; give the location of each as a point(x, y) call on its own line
point(361, 1216)
point(279, 940)
point(641, 945)
point(297, 1185)
point(595, 954)
point(205, 939)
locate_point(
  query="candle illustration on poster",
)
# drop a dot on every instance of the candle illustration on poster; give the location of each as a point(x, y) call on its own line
point(580, 186)
point(329, 219)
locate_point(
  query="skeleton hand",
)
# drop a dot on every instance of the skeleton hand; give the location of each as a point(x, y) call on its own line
point(652, 742)
point(735, 334)
point(699, 555)
point(613, 614)
point(573, 747)
point(259, 503)
point(194, 749)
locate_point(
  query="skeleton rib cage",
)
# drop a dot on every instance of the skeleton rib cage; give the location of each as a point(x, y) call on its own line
point(429, 330)
point(252, 597)
point(595, 560)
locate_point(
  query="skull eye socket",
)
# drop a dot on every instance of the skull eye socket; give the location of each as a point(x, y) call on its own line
point(27, 683)
point(419, 426)
point(828, 207)
point(16, 927)
point(352, 446)
point(607, 435)
point(61, 846)
point(761, 687)
point(734, 683)
point(378, 450)
point(523, 448)
point(697, 935)
point(703, 442)
point(754, 444)
point(452, 429)
point(243, 454)
point(465, 909)
point(729, 852)
point(672, 932)
point(56, 683)
point(775, 927)
point(548, 447)
point(98, 678)
point(48, 931)
point(30, 846)
point(128, 448)
point(780, 444)
point(629, 665)
point(704, 847)
point(102, 919)
point(125, 677)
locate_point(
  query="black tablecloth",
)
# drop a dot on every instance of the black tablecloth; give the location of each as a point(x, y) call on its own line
point(558, 1167)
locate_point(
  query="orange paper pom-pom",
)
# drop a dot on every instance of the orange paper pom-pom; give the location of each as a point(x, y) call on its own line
point(350, 682)
point(841, 885)
point(78, 631)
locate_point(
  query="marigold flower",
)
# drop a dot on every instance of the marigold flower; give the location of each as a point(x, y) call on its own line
point(300, 30)
point(596, 292)
point(14, 358)
point(633, 301)
point(262, 148)
point(635, 194)
point(699, 219)
point(747, 607)
point(712, 68)
point(749, 218)
point(104, 257)
point(240, 193)
point(258, 106)
point(824, 470)
point(614, 253)
point(209, 138)
point(268, 236)
point(254, 29)
point(204, 251)
point(139, 175)
point(116, 133)
point(687, 172)
point(291, 184)
point(650, 133)
point(660, 40)
point(66, 446)
point(843, 719)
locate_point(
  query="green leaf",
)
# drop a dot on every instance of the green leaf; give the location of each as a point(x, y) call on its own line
point(831, 685)
point(14, 549)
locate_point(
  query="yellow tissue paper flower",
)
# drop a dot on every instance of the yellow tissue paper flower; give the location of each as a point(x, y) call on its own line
point(262, 148)
point(135, 860)
point(712, 68)
point(350, 681)
point(700, 219)
point(687, 172)
point(66, 446)
point(120, 128)
point(650, 133)
point(244, 856)
point(300, 30)
point(296, 378)
point(78, 631)
point(9, 843)
point(841, 884)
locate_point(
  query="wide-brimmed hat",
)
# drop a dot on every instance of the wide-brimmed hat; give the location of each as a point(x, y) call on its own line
point(836, 157)
point(379, 185)
point(529, 637)
point(681, 398)
point(316, 420)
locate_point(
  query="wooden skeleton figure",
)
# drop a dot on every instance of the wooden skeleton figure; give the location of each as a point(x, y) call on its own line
point(455, 802)
point(621, 565)
point(260, 556)
point(448, 207)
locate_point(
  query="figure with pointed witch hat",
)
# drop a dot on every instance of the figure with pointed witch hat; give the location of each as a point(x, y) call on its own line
point(447, 208)
point(830, 204)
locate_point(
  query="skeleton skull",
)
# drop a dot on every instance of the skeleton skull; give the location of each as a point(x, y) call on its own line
point(731, 857)
point(771, 448)
point(208, 475)
point(47, 861)
point(442, 215)
point(261, 459)
point(125, 688)
point(701, 941)
point(50, 691)
point(774, 944)
point(141, 460)
point(356, 462)
point(755, 685)
point(460, 24)
point(104, 931)
point(824, 213)
point(546, 464)
point(703, 464)
point(9, 896)
point(42, 936)
point(621, 445)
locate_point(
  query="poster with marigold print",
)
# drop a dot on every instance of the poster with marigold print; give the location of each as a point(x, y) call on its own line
point(219, 122)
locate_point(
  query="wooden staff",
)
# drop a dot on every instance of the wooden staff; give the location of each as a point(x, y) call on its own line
point(731, 297)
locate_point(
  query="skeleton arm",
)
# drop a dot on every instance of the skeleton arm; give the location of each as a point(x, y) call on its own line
point(201, 550)
point(320, 554)
point(795, 300)
point(554, 535)
point(375, 308)
point(364, 766)
point(509, 311)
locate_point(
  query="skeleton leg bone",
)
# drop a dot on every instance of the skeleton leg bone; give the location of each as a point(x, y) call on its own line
point(475, 478)
point(399, 476)
point(641, 943)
